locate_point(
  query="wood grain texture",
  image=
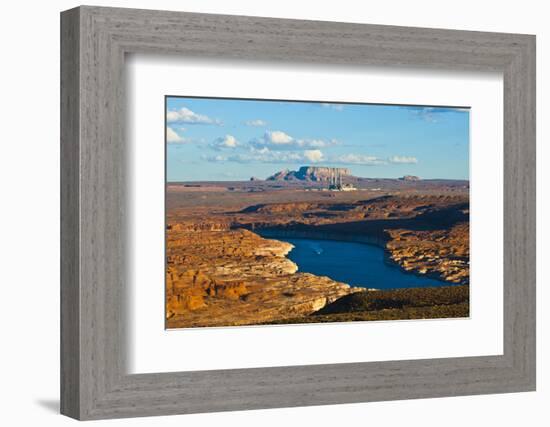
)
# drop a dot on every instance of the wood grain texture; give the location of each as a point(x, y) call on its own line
point(94, 382)
point(70, 221)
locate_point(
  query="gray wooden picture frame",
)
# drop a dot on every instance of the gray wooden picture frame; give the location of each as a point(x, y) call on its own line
point(94, 381)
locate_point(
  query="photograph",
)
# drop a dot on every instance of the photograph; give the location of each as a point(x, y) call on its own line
point(277, 215)
point(298, 212)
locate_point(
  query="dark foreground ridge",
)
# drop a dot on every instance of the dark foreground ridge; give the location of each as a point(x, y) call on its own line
point(414, 303)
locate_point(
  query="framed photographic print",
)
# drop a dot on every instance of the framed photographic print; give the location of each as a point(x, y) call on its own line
point(308, 244)
point(262, 213)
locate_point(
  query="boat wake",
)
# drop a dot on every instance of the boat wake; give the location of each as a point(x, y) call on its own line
point(316, 248)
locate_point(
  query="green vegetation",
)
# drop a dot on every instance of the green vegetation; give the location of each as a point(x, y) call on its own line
point(397, 304)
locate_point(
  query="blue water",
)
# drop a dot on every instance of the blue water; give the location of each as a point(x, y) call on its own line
point(353, 263)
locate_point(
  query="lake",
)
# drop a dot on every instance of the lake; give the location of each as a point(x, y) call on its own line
point(356, 264)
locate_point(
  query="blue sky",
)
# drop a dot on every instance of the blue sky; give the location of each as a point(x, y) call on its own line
point(212, 139)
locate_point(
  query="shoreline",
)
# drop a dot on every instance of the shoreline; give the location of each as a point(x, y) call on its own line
point(271, 233)
point(232, 265)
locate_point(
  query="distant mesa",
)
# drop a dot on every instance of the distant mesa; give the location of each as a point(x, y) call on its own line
point(284, 175)
point(323, 174)
point(409, 178)
point(310, 173)
point(330, 178)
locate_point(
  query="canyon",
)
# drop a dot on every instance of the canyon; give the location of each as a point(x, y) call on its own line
point(221, 272)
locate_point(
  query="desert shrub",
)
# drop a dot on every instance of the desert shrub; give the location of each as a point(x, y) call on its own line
point(358, 301)
point(397, 299)
point(407, 313)
point(420, 297)
point(398, 304)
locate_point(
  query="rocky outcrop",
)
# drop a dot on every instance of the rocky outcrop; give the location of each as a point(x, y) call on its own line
point(409, 178)
point(283, 175)
point(442, 254)
point(203, 225)
point(221, 278)
point(309, 173)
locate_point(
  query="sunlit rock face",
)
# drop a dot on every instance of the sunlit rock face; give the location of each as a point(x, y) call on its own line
point(236, 277)
point(443, 254)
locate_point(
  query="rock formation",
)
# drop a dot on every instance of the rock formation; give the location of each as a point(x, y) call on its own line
point(309, 173)
point(443, 254)
point(237, 278)
point(409, 178)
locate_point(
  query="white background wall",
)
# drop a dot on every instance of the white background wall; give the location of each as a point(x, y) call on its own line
point(29, 224)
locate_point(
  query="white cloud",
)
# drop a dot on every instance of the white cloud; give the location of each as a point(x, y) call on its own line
point(280, 140)
point(314, 155)
point(217, 158)
point(265, 155)
point(337, 107)
point(433, 114)
point(185, 115)
point(256, 123)
point(363, 159)
point(268, 155)
point(403, 159)
point(359, 159)
point(317, 143)
point(228, 141)
point(172, 136)
point(277, 137)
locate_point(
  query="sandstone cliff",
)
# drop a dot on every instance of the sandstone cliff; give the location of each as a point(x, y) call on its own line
point(238, 278)
point(443, 254)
